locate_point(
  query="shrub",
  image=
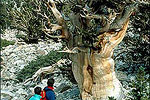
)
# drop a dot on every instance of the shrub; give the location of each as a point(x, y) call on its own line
point(5, 19)
point(5, 43)
point(111, 98)
point(41, 61)
point(140, 86)
point(24, 17)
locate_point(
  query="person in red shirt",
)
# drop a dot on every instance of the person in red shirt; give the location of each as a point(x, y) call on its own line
point(48, 93)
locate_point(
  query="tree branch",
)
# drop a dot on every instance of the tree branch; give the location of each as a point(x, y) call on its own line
point(54, 37)
point(75, 50)
point(48, 69)
point(118, 22)
point(51, 5)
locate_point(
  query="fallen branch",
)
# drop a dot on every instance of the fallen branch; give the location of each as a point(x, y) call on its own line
point(45, 70)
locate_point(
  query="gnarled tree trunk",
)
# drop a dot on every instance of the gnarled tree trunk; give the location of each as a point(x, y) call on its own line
point(94, 70)
point(96, 77)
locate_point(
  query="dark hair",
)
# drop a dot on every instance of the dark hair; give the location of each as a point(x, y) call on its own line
point(37, 90)
point(50, 82)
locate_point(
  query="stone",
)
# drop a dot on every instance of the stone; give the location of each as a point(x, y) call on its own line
point(44, 81)
point(41, 52)
point(121, 75)
point(7, 93)
point(22, 91)
point(62, 87)
point(71, 94)
point(12, 70)
point(19, 62)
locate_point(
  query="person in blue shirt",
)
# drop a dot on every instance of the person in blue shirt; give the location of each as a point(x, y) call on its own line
point(37, 94)
point(50, 95)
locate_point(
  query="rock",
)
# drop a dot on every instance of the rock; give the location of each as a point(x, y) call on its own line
point(19, 62)
point(22, 91)
point(62, 87)
point(121, 75)
point(44, 81)
point(32, 90)
point(41, 52)
point(71, 94)
point(6, 95)
point(130, 34)
point(12, 70)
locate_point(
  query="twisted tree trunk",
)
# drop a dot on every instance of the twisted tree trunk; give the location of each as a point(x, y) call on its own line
point(94, 70)
point(96, 77)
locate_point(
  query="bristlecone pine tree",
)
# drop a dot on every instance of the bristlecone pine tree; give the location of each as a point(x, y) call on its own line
point(96, 27)
point(92, 46)
point(100, 28)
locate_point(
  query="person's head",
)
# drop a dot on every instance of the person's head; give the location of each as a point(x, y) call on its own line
point(37, 90)
point(50, 82)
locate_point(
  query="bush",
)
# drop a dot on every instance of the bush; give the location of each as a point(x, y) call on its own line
point(41, 61)
point(111, 98)
point(140, 86)
point(24, 17)
point(5, 43)
point(5, 19)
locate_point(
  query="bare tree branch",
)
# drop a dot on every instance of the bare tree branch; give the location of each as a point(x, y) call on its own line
point(45, 70)
point(75, 50)
point(55, 37)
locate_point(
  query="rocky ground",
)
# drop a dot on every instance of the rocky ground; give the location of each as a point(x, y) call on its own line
point(16, 56)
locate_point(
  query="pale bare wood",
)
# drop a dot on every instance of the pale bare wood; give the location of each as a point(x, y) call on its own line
point(45, 70)
point(55, 27)
point(72, 51)
point(111, 40)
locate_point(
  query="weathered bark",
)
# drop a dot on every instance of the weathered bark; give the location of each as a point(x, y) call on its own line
point(94, 71)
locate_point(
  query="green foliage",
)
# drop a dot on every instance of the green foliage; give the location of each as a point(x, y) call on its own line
point(20, 36)
point(1, 59)
point(5, 43)
point(143, 14)
point(111, 98)
point(26, 39)
point(41, 61)
point(4, 17)
point(23, 16)
point(140, 86)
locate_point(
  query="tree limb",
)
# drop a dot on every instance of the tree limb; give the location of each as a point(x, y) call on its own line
point(55, 37)
point(118, 22)
point(51, 5)
point(44, 70)
point(75, 50)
